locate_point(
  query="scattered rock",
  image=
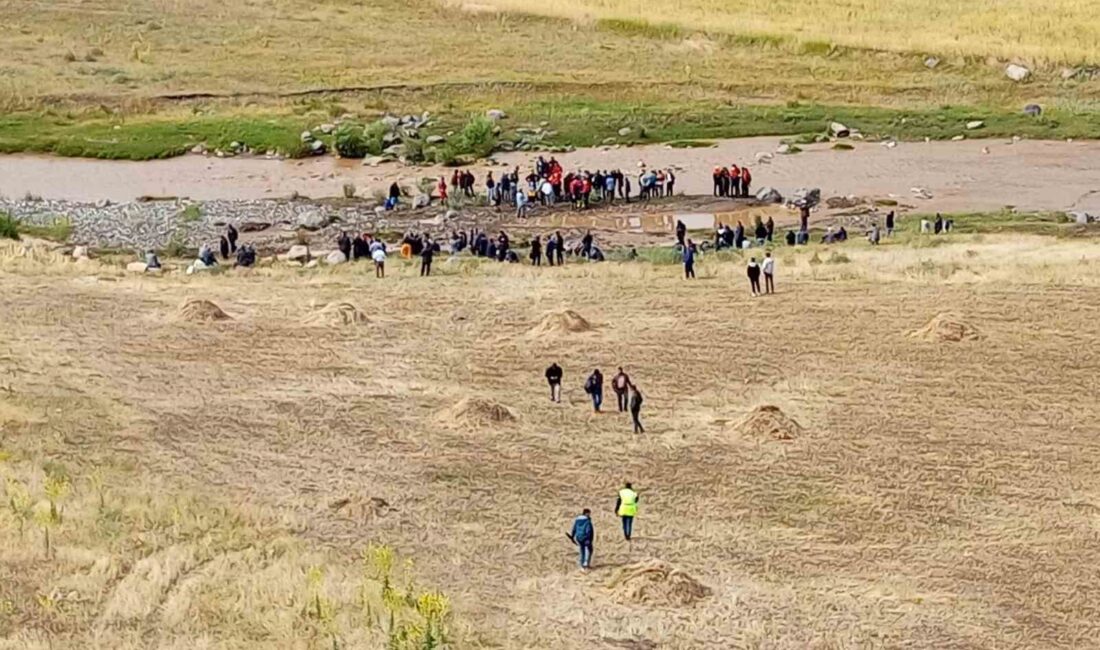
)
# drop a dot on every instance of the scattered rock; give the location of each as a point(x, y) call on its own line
point(317, 147)
point(975, 124)
point(1033, 110)
point(958, 138)
point(328, 128)
point(931, 62)
point(435, 139)
point(297, 253)
point(767, 421)
point(920, 192)
point(890, 144)
point(421, 201)
point(80, 253)
point(839, 130)
point(336, 314)
point(625, 131)
point(198, 149)
point(769, 195)
point(985, 150)
point(495, 114)
point(655, 583)
point(764, 157)
point(312, 264)
point(1017, 73)
point(947, 327)
point(253, 226)
point(783, 148)
point(200, 311)
point(135, 267)
point(806, 197)
point(843, 202)
point(313, 220)
point(334, 258)
point(306, 136)
point(1082, 218)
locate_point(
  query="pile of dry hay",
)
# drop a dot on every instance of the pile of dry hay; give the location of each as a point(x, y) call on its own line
point(567, 321)
point(477, 412)
point(200, 311)
point(336, 314)
point(769, 421)
point(947, 327)
point(657, 583)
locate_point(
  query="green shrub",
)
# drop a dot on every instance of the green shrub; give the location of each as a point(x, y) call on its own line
point(374, 137)
point(9, 227)
point(350, 140)
point(414, 150)
point(477, 138)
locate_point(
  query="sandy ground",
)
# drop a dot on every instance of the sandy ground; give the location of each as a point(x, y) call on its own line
point(1033, 175)
point(941, 495)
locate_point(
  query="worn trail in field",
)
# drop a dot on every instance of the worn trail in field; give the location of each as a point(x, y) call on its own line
point(1032, 175)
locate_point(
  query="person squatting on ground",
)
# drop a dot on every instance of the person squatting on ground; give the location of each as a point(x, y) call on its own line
point(621, 385)
point(626, 507)
point(636, 409)
point(584, 535)
point(768, 267)
point(553, 377)
point(594, 387)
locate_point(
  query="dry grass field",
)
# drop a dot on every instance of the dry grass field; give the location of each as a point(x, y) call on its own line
point(934, 493)
point(1067, 30)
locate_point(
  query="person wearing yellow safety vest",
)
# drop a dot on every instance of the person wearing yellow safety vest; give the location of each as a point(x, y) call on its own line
point(626, 507)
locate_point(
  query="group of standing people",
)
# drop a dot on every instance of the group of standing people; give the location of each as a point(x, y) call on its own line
point(627, 394)
point(732, 182)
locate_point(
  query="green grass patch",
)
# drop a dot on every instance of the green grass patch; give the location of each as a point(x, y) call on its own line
point(9, 227)
point(639, 28)
point(59, 230)
point(191, 214)
point(1003, 221)
point(692, 144)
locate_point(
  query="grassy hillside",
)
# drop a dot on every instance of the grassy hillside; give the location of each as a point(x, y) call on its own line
point(227, 70)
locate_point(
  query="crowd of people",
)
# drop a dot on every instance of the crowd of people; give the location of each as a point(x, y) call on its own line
point(732, 182)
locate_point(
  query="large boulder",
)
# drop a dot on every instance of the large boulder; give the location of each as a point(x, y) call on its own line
point(80, 253)
point(495, 114)
point(839, 130)
point(334, 258)
point(764, 157)
point(974, 124)
point(313, 220)
point(806, 197)
point(435, 139)
point(297, 253)
point(421, 201)
point(135, 267)
point(1017, 73)
point(769, 195)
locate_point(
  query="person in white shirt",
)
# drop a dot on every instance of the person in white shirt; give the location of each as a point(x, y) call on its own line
point(769, 273)
point(379, 257)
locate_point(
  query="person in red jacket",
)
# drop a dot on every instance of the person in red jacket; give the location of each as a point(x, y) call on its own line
point(735, 181)
point(746, 181)
point(442, 187)
point(586, 191)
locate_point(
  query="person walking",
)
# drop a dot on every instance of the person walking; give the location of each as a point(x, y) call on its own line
point(379, 257)
point(586, 244)
point(636, 409)
point(231, 234)
point(584, 535)
point(754, 276)
point(426, 257)
point(890, 223)
point(769, 226)
point(594, 387)
point(769, 273)
point(689, 260)
point(626, 507)
point(553, 377)
point(442, 188)
point(521, 203)
point(536, 251)
point(681, 232)
point(621, 385)
point(559, 247)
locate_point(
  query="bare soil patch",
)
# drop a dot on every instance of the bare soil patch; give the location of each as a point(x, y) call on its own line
point(948, 327)
point(563, 322)
point(767, 421)
point(201, 311)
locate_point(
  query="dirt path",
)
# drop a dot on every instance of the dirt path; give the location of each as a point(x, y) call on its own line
point(1036, 175)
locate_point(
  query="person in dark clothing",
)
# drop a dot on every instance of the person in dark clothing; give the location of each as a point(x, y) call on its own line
point(231, 234)
point(769, 227)
point(791, 240)
point(754, 276)
point(394, 194)
point(739, 236)
point(359, 248)
point(343, 242)
point(586, 243)
point(426, 258)
point(890, 223)
point(804, 219)
point(621, 385)
point(559, 247)
point(761, 233)
point(223, 247)
point(553, 377)
point(636, 409)
point(681, 232)
point(246, 256)
point(594, 387)
point(536, 251)
point(583, 535)
point(689, 260)
point(551, 249)
point(938, 226)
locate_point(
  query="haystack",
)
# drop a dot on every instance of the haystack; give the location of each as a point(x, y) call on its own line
point(201, 311)
point(947, 327)
point(562, 322)
point(477, 412)
point(767, 421)
point(336, 314)
point(656, 583)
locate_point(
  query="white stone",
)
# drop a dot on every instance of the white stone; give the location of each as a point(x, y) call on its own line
point(975, 124)
point(334, 258)
point(1017, 73)
point(298, 253)
point(80, 253)
point(495, 114)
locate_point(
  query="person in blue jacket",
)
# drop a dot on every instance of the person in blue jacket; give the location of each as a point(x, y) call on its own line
point(583, 534)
